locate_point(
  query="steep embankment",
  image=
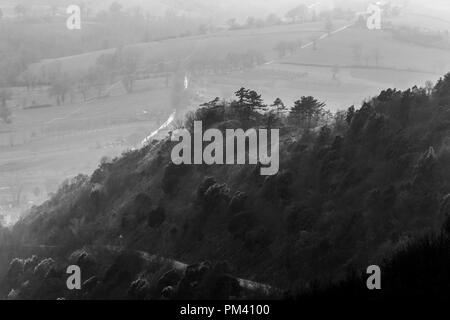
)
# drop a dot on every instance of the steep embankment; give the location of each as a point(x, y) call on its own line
point(345, 197)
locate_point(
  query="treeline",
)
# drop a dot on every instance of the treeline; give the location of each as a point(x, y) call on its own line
point(231, 62)
point(124, 65)
point(429, 38)
point(31, 39)
point(127, 65)
point(298, 14)
point(250, 110)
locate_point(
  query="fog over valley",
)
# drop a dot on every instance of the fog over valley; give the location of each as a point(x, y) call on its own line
point(218, 149)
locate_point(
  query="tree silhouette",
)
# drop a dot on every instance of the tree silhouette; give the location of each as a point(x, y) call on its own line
point(278, 106)
point(429, 87)
point(115, 7)
point(357, 48)
point(306, 111)
point(249, 101)
point(5, 112)
point(241, 94)
point(298, 13)
point(20, 10)
point(329, 25)
point(335, 71)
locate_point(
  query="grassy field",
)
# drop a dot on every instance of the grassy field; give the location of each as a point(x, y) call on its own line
point(384, 62)
point(44, 146)
point(215, 45)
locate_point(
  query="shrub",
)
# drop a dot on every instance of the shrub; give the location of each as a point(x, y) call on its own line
point(44, 267)
point(203, 187)
point(139, 289)
point(216, 196)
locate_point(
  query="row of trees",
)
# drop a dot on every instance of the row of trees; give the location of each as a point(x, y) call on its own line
point(361, 56)
point(298, 14)
point(121, 65)
point(231, 62)
point(5, 112)
point(249, 107)
point(284, 48)
point(305, 113)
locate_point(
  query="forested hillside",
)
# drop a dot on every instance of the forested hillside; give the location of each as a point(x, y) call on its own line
point(354, 188)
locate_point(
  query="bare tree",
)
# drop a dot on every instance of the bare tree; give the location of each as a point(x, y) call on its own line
point(60, 87)
point(84, 86)
point(130, 60)
point(5, 112)
point(281, 48)
point(335, 71)
point(298, 13)
point(376, 56)
point(232, 24)
point(329, 25)
point(273, 19)
point(20, 10)
point(115, 7)
point(357, 48)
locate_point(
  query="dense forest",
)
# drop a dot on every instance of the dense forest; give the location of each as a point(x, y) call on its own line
point(364, 186)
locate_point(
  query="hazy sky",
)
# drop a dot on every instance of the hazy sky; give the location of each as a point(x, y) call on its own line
point(243, 8)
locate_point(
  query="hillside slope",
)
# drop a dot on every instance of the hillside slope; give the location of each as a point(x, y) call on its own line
point(347, 195)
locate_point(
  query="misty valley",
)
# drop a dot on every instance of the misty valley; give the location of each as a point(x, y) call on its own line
point(208, 150)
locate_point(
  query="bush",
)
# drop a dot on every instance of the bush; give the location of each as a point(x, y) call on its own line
point(44, 267)
point(203, 187)
point(139, 289)
point(216, 196)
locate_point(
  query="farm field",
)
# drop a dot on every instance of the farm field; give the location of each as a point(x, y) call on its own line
point(45, 146)
point(203, 47)
point(384, 63)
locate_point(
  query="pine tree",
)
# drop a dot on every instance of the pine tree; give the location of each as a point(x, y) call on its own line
point(241, 94)
point(255, 101)
point(305, 111)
